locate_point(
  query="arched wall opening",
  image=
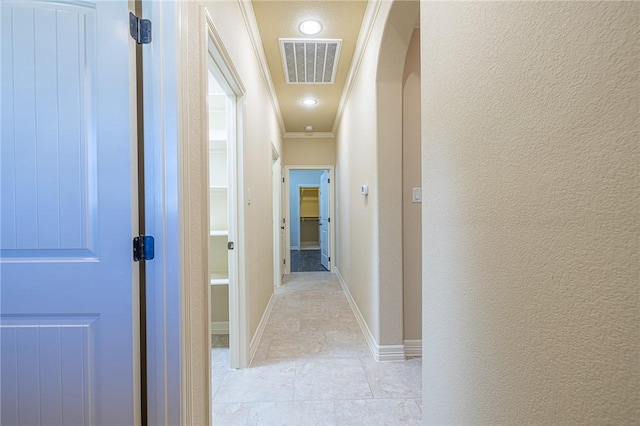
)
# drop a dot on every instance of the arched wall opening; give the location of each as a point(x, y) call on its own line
point(402, 19)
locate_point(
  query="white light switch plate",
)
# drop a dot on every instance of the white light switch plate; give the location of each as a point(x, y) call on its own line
point(416, 195)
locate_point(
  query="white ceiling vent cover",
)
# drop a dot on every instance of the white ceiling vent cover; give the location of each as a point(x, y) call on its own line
point(310, 61)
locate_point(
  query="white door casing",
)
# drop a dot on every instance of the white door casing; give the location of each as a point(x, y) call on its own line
point(325, 253)
point(69, 211)
point(283, 226)
point(216, 59)
point(287, 209)
point(276, 183)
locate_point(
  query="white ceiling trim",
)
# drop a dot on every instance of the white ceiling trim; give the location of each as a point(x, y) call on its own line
point(310, 135)
point(370, 15)
point(254, 34)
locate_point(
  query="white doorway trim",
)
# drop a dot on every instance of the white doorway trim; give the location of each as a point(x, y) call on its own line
point(196, 33)
point(238, 329)
point(287, 211)
point(276, 190)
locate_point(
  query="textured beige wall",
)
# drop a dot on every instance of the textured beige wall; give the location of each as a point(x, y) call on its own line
point(531, 213)
point(369, 151)
point(399, 25)
point(309, 152)
point(411, 178)
point(356, 164)
point(260, 130)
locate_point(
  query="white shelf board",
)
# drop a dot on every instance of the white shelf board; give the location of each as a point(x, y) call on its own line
point(224, 233)
point(218, 188)
point(219, 278)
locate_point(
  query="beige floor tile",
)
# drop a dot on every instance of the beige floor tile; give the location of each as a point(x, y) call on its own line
point(394, 379)
point(229, 414)
point(269, 382)
point(335, 378)
point(347, 343)
point(313, 366)
point(297, 413)
point(378, 412)
point(298, 345)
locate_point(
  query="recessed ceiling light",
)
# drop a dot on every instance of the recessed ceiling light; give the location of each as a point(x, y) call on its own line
point(310, 27)
point(309, 101)
point(308, 128)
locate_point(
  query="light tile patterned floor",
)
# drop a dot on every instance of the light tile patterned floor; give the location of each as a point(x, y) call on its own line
point(313, 367)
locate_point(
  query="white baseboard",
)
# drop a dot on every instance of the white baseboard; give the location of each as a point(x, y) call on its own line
point(221, 327)
point(413, 347)
point(379, 352)
point(255, 341)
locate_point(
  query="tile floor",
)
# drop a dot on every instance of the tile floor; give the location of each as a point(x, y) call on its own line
point(313, 367)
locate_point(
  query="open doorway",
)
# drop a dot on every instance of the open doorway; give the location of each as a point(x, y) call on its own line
point(223, 256)
point(309, 234)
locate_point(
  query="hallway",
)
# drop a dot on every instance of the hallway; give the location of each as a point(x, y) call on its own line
point(313, 367)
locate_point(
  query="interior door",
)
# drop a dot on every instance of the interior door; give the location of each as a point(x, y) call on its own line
point(276, 179)
point(283, 225)
point(69, 292)
point(324, 223)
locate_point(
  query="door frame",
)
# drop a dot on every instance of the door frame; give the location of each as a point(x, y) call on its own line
point(287, 211)
point(276, 196)
point(238, 330)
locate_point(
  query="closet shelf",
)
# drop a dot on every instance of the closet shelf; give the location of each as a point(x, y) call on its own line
point(219, 278)
point(223, 233)
point(218, 188)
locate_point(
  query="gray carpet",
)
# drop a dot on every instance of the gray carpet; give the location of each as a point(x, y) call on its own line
point(306, 261)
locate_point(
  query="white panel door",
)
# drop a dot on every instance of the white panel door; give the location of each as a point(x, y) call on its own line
point(325, 253)
point(67, 276)
point(283, 237)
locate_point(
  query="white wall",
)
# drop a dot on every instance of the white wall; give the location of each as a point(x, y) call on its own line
point(531, 238)
point(297, 178)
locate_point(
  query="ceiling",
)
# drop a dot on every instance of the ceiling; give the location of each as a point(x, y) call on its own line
point(280, 19)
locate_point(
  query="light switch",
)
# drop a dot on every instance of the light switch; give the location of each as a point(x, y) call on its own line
point(417, 195)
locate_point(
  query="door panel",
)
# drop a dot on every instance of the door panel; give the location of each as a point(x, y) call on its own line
point(67, 325)
point(324, 221)
point(283, 237)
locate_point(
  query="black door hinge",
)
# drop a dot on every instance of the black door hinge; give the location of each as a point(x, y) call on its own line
point(328, 180)
point(140, 29)
point(329, 258)
point(329, 220)
point(143, 248)
point(282, 180)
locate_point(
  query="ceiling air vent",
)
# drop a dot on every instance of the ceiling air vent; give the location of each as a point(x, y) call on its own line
point(308, 61)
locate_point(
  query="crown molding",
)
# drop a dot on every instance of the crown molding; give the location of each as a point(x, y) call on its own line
point(309, 135)
point(370, 16)
point(256, 41)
